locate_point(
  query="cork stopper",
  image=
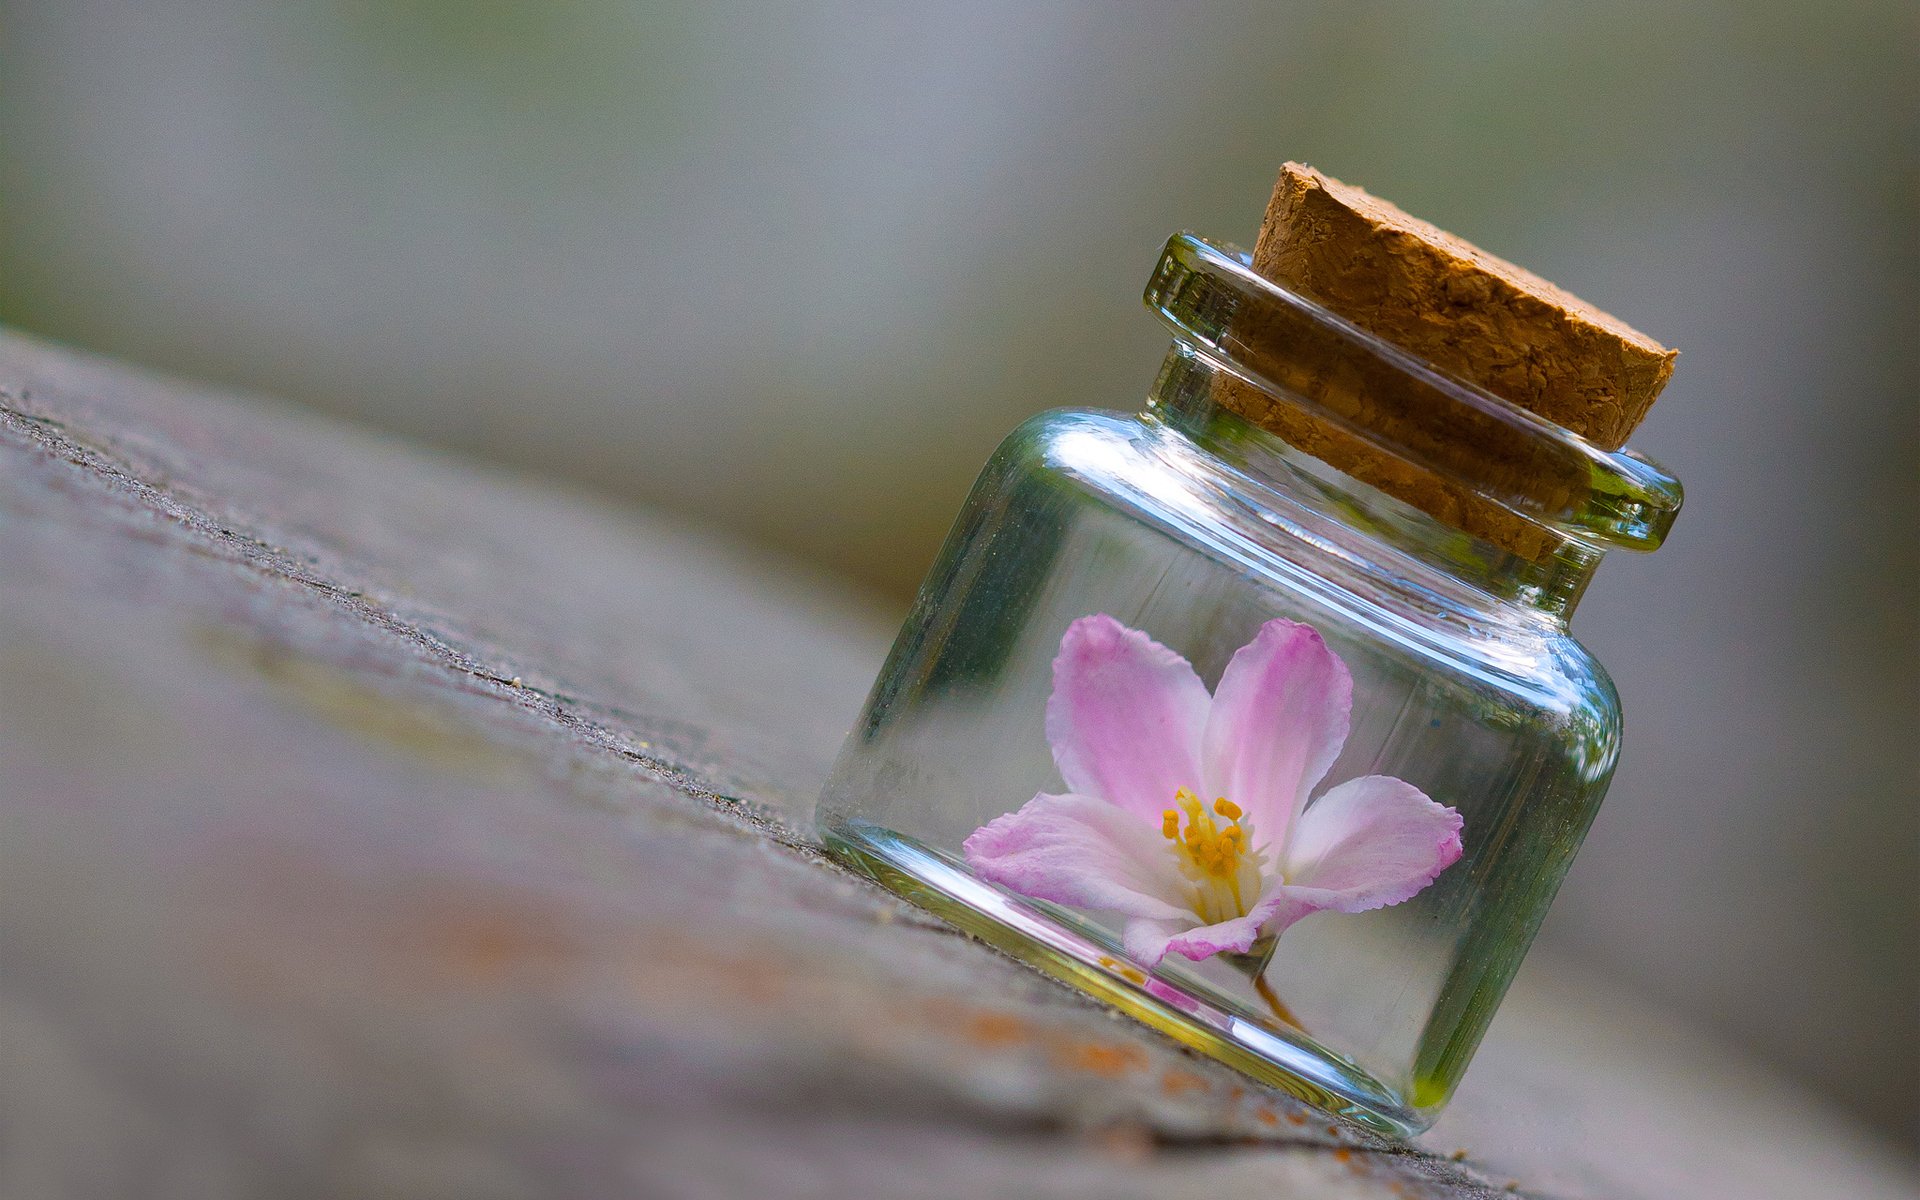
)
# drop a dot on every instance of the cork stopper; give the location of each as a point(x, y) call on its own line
point(1464, 311)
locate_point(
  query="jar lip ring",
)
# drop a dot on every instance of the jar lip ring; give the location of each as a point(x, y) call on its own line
point(1603, 498)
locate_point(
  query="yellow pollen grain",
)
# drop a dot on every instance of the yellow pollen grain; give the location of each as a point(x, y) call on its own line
point(1216, 852)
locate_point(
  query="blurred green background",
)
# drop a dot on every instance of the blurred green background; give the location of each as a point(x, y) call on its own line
point(792, 270)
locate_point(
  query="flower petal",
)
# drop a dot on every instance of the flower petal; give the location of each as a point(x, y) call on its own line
point(1370, 842)
point(1148, 941)
point(1125, 717)
point(1279, 719)
point(1205, 941)
point(1082, 851)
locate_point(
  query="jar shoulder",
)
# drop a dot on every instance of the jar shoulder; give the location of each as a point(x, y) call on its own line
point(1137, 469)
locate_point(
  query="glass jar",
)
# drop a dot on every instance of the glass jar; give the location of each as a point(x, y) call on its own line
point(1101, 553)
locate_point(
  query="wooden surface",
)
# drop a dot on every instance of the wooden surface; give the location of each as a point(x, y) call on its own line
point(373, 825)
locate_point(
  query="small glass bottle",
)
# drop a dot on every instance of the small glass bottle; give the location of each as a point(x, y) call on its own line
point(1286, 764)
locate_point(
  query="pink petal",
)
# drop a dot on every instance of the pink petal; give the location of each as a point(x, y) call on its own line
point(1370, 842)
point(1205, 941)
point(1081, 851)
point(1279, 718)
point(1125, 717)
point(1148, 941)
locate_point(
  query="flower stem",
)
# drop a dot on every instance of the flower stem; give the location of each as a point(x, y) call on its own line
point(1280, 1010)
point(1254, 964)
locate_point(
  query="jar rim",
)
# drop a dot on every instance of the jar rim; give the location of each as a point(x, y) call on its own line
point(1209, 296)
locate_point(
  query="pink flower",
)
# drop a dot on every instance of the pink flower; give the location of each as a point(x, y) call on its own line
point(1141, 744)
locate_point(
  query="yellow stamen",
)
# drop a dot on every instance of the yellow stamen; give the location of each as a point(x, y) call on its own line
point(1218, 862)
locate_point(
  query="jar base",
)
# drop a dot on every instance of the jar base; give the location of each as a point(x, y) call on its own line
point(1088, 959)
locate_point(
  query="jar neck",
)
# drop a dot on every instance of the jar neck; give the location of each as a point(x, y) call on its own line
point(1388, 542)
point(1447, 499)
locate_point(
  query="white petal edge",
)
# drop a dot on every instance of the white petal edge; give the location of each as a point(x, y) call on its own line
point(1081, 851)
point(1370, 842)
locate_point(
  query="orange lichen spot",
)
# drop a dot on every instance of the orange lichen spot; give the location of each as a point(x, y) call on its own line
point(1179, 1083)
point(1297, 1118)
point(997, 1029)
point(1107, 1059)
point(483, 937)
point(1129, 1141)
point(1266, 1116)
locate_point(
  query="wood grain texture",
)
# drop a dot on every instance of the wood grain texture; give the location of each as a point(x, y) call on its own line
point(374, 825)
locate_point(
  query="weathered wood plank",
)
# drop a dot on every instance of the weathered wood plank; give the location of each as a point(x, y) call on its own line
point(373, 825)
